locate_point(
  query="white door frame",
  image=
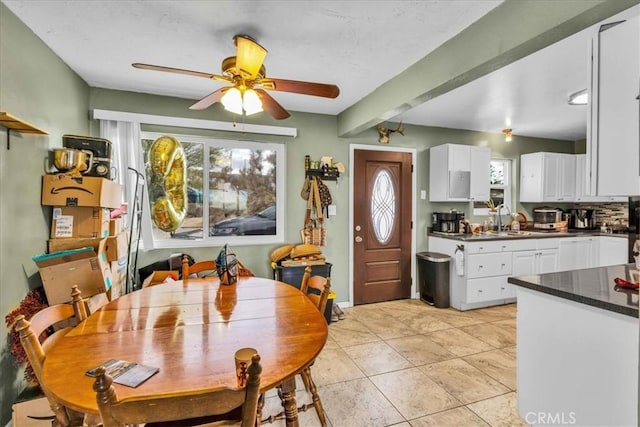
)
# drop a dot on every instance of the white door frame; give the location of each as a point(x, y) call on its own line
point(352, 148)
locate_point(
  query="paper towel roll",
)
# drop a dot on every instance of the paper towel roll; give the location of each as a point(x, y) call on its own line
point(459, 262)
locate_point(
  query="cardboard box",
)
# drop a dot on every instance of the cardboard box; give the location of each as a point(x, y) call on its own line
point(83, 267)
point(57, 245)
point(117, 246)
point(65, 190)
point(118, 278)
point(160, 276)
point(79, 222)
point(31, 409)
point(116, 226)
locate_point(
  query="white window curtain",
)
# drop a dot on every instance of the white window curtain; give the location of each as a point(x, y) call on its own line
point(125, 137)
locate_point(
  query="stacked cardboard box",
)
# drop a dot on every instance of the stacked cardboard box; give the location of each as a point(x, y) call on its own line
point(88, 244)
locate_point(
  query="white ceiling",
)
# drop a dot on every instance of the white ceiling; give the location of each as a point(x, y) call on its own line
point(357, 45)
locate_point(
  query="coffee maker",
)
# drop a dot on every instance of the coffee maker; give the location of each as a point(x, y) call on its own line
point(101, 149)
point(447, 222)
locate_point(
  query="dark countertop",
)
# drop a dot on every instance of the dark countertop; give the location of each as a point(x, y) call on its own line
point(526, 234)
point(592, 286)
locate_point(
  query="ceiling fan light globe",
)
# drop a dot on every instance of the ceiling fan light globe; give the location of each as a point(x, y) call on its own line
point(252, 102)
point(232, 101)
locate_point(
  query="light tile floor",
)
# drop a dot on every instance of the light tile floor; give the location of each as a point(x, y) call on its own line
point(405, 363)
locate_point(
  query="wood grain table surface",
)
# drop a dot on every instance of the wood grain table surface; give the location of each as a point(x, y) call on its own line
point(190, 330)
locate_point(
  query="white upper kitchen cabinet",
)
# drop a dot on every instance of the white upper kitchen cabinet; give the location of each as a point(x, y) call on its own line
point(458, 173)
point(613, 132)
point(547, 177)
point(581, 184)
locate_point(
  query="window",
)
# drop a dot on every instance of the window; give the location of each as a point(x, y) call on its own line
point(234, 193)
point(499, 187)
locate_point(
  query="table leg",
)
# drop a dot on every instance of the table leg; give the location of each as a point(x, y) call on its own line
point(288, 396)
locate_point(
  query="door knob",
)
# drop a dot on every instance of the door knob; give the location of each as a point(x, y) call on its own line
point(358, 239)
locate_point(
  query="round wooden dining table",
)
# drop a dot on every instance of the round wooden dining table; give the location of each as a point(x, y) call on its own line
point(191, 330)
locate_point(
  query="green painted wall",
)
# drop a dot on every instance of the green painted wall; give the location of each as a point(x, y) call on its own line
point(37, 86)
point(317, 137)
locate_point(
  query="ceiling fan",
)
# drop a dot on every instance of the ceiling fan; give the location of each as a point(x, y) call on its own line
point(246, 74)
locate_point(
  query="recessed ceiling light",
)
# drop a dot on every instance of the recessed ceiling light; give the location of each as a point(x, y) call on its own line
point(579, 98)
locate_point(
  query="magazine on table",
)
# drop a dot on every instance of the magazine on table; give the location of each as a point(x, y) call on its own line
point(130, 374)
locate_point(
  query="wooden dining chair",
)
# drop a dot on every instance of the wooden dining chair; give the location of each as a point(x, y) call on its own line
point(61, 317)
point(202, 408)
point(317, 289)
point(196, 268)
point(201, 266)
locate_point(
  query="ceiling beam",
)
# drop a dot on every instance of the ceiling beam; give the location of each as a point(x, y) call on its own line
point(511, 31)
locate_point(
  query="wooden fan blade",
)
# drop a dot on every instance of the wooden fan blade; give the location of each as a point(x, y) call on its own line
point(180, 71)
point(249, 57)
point(305, 88)
point(271, 106)
point(209, 100)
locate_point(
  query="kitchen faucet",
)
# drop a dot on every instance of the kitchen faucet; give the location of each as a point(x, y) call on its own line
point(498, 208)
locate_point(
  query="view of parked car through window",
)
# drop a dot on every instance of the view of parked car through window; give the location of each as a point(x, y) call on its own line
point(231, 190)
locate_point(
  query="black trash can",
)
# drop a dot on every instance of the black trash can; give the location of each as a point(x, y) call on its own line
point(433, 278)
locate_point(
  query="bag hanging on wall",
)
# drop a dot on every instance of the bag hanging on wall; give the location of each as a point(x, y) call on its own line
point(227, 266)
point(306, 188)
point(325, 196)
point(314, 232)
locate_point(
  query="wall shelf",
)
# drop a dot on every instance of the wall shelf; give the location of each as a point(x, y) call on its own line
point(11, 122)
point(330, 174)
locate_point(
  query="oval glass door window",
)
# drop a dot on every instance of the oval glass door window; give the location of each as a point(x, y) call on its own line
point(383, 206)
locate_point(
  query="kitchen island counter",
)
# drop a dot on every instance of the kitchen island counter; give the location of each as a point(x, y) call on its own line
point(577, 348)
point(592, 286)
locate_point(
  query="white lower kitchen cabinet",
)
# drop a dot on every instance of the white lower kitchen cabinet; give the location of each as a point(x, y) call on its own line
point(612, 250)
point(482, 280)
point(576, 253)
point(538, 261)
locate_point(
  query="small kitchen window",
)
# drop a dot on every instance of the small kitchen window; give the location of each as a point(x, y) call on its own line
point(499, 187)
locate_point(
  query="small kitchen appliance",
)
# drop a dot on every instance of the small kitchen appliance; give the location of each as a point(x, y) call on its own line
point(101, 149)
point(447, 222)
point(582, 219)
point(72, 162)
point(549, 219)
